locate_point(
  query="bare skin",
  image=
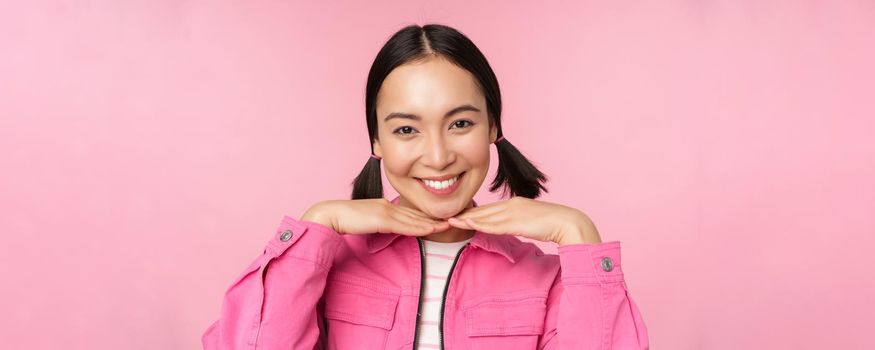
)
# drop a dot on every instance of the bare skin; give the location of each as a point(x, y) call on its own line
point(432, 122)
point(363, 216)
point(444, 130)
point(433, 143)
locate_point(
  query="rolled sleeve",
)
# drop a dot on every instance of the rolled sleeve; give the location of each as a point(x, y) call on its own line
point(313, 241)
point(591, 263)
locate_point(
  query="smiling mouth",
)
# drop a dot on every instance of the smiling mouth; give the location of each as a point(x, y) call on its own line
point(444, 186)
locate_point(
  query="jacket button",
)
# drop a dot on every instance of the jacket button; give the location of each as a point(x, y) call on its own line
point(607, 264)
point(287, 234)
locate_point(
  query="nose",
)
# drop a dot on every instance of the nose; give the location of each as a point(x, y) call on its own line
point(437, 155)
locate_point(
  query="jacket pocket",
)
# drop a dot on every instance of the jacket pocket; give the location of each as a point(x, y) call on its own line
point(359, 312)
point(505, 321)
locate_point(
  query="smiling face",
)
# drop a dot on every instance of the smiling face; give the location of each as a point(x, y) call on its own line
point(432, 123)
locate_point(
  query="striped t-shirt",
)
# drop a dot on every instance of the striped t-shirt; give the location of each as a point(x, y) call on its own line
point(439, 258)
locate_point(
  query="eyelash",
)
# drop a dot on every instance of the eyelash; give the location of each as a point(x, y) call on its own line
point(454, 123)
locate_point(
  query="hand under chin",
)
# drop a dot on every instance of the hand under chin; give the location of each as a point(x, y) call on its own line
point(441, 215)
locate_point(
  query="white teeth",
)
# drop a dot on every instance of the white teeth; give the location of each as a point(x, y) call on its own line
point(439, 184)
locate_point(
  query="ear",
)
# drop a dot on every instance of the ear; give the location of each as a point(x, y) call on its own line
point(493, 132)
point(377, 149)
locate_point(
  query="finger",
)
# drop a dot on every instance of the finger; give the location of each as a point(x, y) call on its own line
point(394, 208)
point(459, 223)
point(406, 228)
point(409, 224)
point(407, 210)
point(491, 227)
point(488, 207)
point(417, 213)
point(482, 217)
point(421, 220)
point(483, 213)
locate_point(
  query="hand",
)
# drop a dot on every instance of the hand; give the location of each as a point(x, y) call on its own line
point(538, 220)
point(362, 216)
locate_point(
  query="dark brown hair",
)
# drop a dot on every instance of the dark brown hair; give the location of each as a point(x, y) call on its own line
point(515, 173)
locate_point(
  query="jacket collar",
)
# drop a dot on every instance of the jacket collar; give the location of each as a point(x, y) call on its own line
point(499, 244)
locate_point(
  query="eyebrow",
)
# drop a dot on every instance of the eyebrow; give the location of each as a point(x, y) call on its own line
point(462, 108)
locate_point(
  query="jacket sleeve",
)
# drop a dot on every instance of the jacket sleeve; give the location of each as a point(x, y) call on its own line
point(589, 306)
point(274, 303)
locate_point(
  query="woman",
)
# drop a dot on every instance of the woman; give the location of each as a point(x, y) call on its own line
point(431, 269)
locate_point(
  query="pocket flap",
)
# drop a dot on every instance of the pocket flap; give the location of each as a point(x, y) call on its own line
point(361, 304)
point(520, 314)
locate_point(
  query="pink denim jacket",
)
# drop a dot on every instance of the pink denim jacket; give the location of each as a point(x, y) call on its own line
point(313, 288)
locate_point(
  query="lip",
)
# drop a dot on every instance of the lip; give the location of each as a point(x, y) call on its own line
point(440, 178)
point(444, 191)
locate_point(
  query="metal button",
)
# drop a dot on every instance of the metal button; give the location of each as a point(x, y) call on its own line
point(607, 264)
point(287, 234)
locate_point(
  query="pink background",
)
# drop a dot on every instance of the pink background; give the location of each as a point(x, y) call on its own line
point(150, 148)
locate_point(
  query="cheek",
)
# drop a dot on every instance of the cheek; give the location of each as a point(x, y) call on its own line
point(395, 169)
point(476, 154)
point(397, 173)
point(397, 163)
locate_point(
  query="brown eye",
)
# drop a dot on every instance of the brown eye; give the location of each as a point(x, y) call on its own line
point(402, 128)
point(463, 121)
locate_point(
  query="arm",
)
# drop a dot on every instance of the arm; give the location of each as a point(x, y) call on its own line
point(589, 306)
point(274, 302)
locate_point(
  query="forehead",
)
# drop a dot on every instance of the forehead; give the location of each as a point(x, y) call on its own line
point(429, 88)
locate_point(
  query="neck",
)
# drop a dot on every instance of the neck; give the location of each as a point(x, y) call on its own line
point(452, 234)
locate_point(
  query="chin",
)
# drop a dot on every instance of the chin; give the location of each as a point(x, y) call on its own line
point(442, 214)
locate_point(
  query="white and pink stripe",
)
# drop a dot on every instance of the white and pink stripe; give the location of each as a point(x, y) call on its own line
point(438, 261)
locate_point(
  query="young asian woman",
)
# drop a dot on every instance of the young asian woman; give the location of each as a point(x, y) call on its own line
point(357, 273)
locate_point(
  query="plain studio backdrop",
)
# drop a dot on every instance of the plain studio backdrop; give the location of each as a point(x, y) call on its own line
point(149, 149)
